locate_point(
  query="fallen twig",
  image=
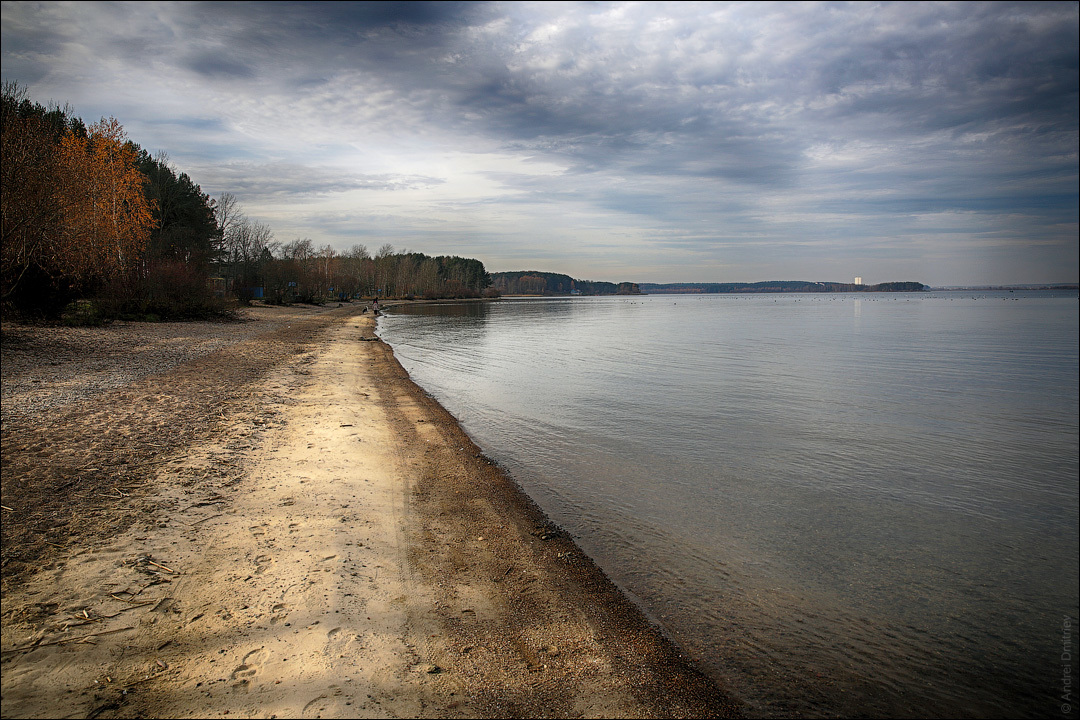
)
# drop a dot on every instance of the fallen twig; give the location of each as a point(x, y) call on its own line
point(211, 517)
point(161, 566)
point(202, 504)
point(136, 682)
point(135, 603)
point(81, 638)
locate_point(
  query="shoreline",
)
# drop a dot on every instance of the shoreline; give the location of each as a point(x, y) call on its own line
point(335, 545)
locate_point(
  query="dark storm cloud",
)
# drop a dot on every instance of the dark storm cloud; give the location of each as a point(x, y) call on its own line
point(213, 65)
point(888, 76)
point(396, 14)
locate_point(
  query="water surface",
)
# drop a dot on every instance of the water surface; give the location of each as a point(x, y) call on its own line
point(837, 504)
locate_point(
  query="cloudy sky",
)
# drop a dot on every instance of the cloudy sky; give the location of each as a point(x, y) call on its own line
point(651, 142)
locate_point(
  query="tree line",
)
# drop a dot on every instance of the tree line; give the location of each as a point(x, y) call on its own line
point(298, 271)
point(534, 282)
point(91, 220)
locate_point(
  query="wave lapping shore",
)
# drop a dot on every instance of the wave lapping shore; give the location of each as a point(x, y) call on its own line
point(268, 518)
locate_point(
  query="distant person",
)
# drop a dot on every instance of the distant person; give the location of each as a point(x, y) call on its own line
point(375, 306)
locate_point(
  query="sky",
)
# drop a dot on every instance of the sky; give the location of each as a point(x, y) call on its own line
point(643, 142)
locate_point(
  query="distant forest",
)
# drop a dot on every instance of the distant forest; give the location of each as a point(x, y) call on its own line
point(545, 283)
point(533, 282)
point(96, 228)
point(778, 286)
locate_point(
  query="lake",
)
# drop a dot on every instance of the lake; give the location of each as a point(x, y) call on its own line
point(837, 504)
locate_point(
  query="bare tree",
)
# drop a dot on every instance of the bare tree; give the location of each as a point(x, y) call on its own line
point(227, 213)
point(298, 249)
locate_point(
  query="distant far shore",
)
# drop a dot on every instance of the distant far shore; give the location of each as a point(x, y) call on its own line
point(588, 288)
point(1051, 286)
point(779, 286)
point(546, 284)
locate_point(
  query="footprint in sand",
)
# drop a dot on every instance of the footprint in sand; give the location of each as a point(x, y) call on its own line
point(261, 563)
point(339, 640)
point(280, 612)
point(315, 707)
point(248, 669)
point(258, 530)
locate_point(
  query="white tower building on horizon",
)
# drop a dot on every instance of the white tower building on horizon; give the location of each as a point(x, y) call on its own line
point(858, 279)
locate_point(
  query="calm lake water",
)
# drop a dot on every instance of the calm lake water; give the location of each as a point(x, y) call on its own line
point(857, 504)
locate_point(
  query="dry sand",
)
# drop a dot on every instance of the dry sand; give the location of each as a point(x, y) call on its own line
point(279, 523)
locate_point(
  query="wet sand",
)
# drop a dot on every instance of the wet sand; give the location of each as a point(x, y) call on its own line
point(283, 524)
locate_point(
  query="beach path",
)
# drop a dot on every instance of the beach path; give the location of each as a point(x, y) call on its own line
point(336, 547)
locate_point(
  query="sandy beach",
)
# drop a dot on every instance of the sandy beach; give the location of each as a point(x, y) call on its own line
point(267, 518)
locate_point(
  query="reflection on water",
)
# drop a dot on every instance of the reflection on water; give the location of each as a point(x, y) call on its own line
point(837, 504)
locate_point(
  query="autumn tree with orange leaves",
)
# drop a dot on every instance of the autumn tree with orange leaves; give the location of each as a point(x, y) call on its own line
point(88, 215)
point(107, 218)
point(76, 216)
